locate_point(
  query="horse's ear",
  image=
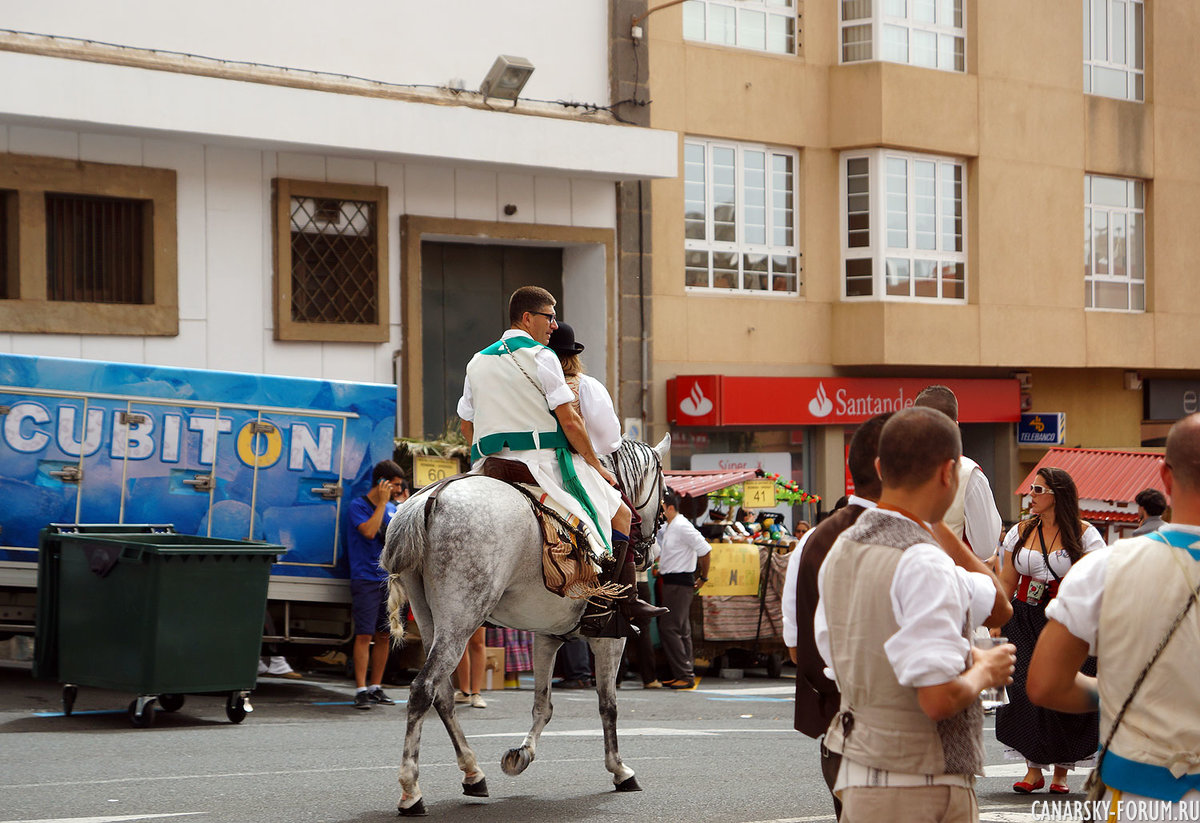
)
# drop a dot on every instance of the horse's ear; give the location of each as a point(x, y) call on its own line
point(663, 446)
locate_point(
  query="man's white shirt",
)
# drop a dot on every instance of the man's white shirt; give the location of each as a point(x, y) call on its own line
point(788, 603)
point(680, 543)
point(982, 524)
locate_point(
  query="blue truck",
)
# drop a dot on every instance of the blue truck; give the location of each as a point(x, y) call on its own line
point(217, 454)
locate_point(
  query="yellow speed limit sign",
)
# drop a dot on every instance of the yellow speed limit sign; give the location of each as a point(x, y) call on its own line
point(758, 494)
point(429, 470)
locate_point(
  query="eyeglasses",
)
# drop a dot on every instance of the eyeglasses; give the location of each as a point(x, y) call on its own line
point(1037, 488)
point(551, 317)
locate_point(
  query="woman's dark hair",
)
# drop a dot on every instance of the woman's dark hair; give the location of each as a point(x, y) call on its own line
point(1066, 512)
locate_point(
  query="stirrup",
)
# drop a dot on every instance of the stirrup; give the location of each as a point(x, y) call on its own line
point(599, 624)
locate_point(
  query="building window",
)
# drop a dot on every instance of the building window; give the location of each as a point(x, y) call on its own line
point(740, 218)
point(330, 262)
point(95, 249)
point(1113, 43)
point(927, 33)
point(764, 25)
point(87, 248)
point(1114, 243)
point(902, 220)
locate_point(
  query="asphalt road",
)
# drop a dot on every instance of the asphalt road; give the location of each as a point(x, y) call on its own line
point(723, 752)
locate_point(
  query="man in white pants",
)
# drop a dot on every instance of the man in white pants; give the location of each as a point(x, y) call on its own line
point(1119, 603)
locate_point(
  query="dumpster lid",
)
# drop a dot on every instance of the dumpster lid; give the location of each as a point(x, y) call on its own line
point(176, 544)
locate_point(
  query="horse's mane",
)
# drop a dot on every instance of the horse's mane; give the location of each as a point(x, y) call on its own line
point(631, 463)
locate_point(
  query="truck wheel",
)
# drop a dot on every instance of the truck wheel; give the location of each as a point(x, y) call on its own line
point(235, 708)
point(68, 699)
point(170, 702)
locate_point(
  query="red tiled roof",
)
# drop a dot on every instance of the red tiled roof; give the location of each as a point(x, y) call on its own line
point(699, 483)
point(1103, 474)
point(1110, 517)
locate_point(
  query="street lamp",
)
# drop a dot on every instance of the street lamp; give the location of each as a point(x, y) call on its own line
point(507, 76)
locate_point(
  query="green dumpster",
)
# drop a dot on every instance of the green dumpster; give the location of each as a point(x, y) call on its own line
point(153, 612)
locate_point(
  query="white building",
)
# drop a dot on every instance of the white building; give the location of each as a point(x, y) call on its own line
point(307, 189)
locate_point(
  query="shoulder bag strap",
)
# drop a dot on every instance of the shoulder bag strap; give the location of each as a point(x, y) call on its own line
point(1046, 557)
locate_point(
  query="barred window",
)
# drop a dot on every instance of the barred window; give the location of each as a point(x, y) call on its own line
point(98, 251)
point(95, 249)
point(331, 266)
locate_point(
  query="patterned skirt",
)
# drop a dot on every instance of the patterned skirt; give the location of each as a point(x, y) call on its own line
point(1041, 735)
point(518, 648)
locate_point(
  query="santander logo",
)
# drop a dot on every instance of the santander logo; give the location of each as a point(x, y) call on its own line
point(695, 404)
point(820, 405)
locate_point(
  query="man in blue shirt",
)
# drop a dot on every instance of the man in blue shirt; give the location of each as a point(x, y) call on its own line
point(369, 518)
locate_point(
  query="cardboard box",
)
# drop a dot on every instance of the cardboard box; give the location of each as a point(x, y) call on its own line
point(494, 668)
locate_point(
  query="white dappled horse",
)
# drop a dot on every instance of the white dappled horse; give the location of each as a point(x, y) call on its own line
point(479, 557)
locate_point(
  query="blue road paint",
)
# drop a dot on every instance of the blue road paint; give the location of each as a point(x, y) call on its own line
point(77, 714)
point(753, 699)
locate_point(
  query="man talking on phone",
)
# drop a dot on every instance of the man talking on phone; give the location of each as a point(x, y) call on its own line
point(369, 517)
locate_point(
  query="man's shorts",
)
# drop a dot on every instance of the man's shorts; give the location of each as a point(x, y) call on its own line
point(368, 604)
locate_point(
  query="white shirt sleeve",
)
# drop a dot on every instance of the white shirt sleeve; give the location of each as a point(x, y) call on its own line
point(931, 599)
point(787, 603)
point(599, 417)
point(820, 626)
point(1091, 539)
point(983, 523)
point(1077, 606)
point(466, 405)
point(550, 372)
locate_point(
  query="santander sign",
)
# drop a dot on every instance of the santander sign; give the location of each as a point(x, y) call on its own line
point(726, 400)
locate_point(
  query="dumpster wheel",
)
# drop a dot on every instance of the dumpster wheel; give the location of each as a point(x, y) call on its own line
point(141, 712)
point(170, 702)
point(235, 707)
point(68, 699)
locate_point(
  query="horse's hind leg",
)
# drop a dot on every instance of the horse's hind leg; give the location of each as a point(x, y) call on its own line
point(545, 648)
point(607, 652)
point(431, 687)
point(474, 782)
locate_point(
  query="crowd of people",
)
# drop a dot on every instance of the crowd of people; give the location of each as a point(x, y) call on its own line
point(900, 608)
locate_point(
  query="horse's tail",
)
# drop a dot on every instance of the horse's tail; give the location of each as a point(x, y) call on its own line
point(403, 551)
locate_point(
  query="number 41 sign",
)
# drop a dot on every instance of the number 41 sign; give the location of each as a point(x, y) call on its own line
point(429, 470)
point(758, 494)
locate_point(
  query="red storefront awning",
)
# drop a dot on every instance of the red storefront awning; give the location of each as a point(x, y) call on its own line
point(1103, 474)
point(723, 400)
point(700, 483)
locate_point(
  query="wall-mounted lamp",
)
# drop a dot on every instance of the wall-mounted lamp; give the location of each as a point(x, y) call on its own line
point(507, 76)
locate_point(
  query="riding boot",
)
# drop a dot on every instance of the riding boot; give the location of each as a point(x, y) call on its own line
point(631, 606)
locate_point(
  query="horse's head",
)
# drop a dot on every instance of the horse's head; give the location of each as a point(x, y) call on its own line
point(638, 468)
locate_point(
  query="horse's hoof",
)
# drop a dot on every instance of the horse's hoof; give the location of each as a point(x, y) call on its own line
point(477, 789)
point(515, 761)
point(415, 810)
point(629, 784)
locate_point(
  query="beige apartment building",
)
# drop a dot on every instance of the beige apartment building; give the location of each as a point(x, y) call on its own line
point(874, 195)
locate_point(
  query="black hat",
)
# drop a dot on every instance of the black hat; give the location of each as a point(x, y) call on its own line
point(562, 341)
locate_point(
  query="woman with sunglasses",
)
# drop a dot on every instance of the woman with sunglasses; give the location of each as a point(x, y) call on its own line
point(1036, 554)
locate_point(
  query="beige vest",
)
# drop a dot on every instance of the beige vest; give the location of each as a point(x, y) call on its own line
point(1160, 727)
point(956, 516)
point(880, 724)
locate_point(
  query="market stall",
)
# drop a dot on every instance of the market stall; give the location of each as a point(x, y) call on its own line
point(736, 621)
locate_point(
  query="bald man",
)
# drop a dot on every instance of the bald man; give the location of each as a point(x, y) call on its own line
point(1119, 603)
point(898, 606)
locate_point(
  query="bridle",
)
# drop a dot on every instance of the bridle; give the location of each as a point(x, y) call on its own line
point(647, 537)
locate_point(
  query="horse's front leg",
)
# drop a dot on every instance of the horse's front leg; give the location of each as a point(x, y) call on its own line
point(545, 648)
point(607, 651)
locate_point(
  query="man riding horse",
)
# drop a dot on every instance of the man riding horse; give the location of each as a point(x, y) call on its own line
point(516, 404)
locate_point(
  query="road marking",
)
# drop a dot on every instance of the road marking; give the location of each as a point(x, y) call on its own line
point(754, 690)
point(752, 699)
point(102, 819)
point(646, 732)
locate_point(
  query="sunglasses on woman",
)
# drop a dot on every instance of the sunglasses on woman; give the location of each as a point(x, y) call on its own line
point(1037, 488)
